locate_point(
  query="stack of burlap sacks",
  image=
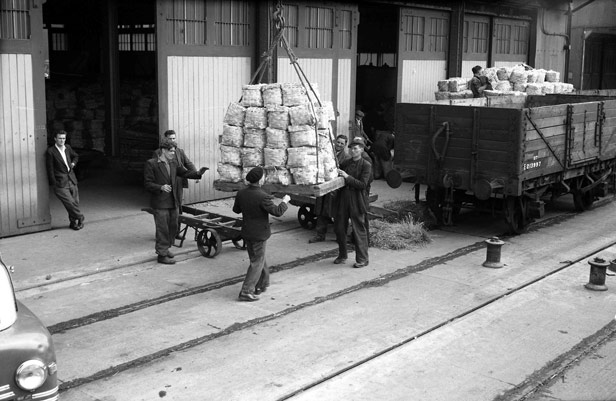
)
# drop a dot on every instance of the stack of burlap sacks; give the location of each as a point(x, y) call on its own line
point(505, 81)
point(276, 126)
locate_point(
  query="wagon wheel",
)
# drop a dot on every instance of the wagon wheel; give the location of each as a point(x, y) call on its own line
point(306, 217)
point(209, 242)
point(515, 214)
point(239, 243)
point(435, 199)
point(582, 200)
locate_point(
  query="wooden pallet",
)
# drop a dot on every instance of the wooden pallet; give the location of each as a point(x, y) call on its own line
point(311, 190)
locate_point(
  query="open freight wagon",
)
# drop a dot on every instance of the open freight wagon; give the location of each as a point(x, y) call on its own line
point(506, 156)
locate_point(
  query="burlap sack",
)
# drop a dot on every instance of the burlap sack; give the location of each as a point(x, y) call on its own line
point(252, 157)
point(229, 173)
point(254, 138)
point(302, 135)
point(274, 157)
point(230, 155)
point(304, 175)
point(251, 95)
point(457, 84)
point(293, 94)
point(302, 156)
point(278, 175)
point(441, 95)
point(540, 76)
point(302, 115)
point(256, 117)
point(534, 89)
point(277, 138)
point(235, 115)
point(232, 135)
point(520, 87)
point(503, 73)
point(519, 75)
point(552, 76)
point(502, 86)
point(278, 117)
point(272, 95)
point(443, 85)
point(547, 87)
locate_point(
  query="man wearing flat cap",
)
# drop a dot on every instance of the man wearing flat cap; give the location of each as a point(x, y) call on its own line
point(160, 179)
point(256, 205)
point(356, 130)
point(352, 205)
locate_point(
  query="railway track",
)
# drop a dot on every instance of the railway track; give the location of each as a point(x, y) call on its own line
point(68, 328)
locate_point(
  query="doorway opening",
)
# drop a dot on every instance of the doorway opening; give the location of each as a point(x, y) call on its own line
point(111, 153)
point(600, 62)
point(377, 66)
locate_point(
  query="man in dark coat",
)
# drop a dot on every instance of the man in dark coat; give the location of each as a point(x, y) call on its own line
point(351, 205)
point(256, 205)
point(61, 160)
point(160, 179)
point(181, 160)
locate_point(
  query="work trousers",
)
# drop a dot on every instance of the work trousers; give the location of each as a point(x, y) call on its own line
point(258, 272)
point(358, 231)
point(69, 196)
point(166, 221)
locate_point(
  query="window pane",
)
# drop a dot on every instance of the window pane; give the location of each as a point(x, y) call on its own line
point(438, 34)
point(346, 29)
point(290, 15)
point(319, 27)
point(15, 19)
point(503, 39)
point(413, 33)
point(186, 22)
point(231, 23)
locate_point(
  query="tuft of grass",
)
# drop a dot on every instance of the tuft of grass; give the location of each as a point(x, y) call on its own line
point(417, 212)
point(403, 234)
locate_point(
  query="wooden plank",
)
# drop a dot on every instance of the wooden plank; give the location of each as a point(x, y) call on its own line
point(314, 190)
point(547, 111)
point(547, 133)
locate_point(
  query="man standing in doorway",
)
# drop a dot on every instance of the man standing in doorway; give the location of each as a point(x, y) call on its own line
point(256, 205)
point(61, 161)
point(160, 179)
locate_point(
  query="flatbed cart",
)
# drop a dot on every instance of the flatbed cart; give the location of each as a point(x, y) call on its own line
point(211, 230)
point(309, 206)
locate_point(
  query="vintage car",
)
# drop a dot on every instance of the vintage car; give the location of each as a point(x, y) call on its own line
point(28, 369)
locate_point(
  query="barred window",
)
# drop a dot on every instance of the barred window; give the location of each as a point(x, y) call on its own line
point(413, 33)
point(520, 39)
point(15, 19)
point(503, 39)
point(58, 37)
point(291, 23)
point(438, 34)
point(186, 22)
point(346, 29)
point(479, 37)
point(136, 38)
point(319, 28)
point(231, 22)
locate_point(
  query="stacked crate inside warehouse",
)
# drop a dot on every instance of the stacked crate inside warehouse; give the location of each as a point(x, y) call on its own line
point(520, 80)
point(283, 128)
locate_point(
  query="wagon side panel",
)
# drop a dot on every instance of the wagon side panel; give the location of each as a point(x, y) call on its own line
point(608, 132)
point(412, 145)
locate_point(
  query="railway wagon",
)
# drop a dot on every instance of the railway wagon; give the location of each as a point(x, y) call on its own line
point(508, 156)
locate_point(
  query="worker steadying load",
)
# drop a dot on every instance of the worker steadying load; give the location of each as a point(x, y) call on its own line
point(479, 82)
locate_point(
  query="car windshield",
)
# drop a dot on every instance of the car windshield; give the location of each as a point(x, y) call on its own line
point(8, 307)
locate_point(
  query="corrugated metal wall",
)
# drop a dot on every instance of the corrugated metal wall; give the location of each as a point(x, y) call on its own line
point(550, 54)
point(420, 78)
point(200, 90)
point(19, 202)
point(344, 105)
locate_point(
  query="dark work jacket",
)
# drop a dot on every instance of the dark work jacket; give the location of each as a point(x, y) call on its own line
point(58, 172)
point(354, 194)
point(182, 160)
point(256, 205)
point(155, 176)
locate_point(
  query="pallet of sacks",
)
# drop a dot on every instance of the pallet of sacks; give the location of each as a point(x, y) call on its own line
point(281, 128)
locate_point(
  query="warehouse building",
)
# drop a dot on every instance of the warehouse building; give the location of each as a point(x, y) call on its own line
point(116, 74)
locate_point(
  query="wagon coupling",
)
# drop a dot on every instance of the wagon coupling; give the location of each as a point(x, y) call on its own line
point(598, 267)
point(440, 156)
point(493, 253)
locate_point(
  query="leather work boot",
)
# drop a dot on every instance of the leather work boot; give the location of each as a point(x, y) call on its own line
point(171, 254)
point(248, 297)
point(166, 260)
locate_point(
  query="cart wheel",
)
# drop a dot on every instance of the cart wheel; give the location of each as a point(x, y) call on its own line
point(515, 214)
point(209, 243)
point(582, 200)
point(306, 217)
point(239, 243)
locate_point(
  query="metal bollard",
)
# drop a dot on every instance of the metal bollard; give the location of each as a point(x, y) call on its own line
point(493, 253)
point(612, 266)
point(598, 268)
